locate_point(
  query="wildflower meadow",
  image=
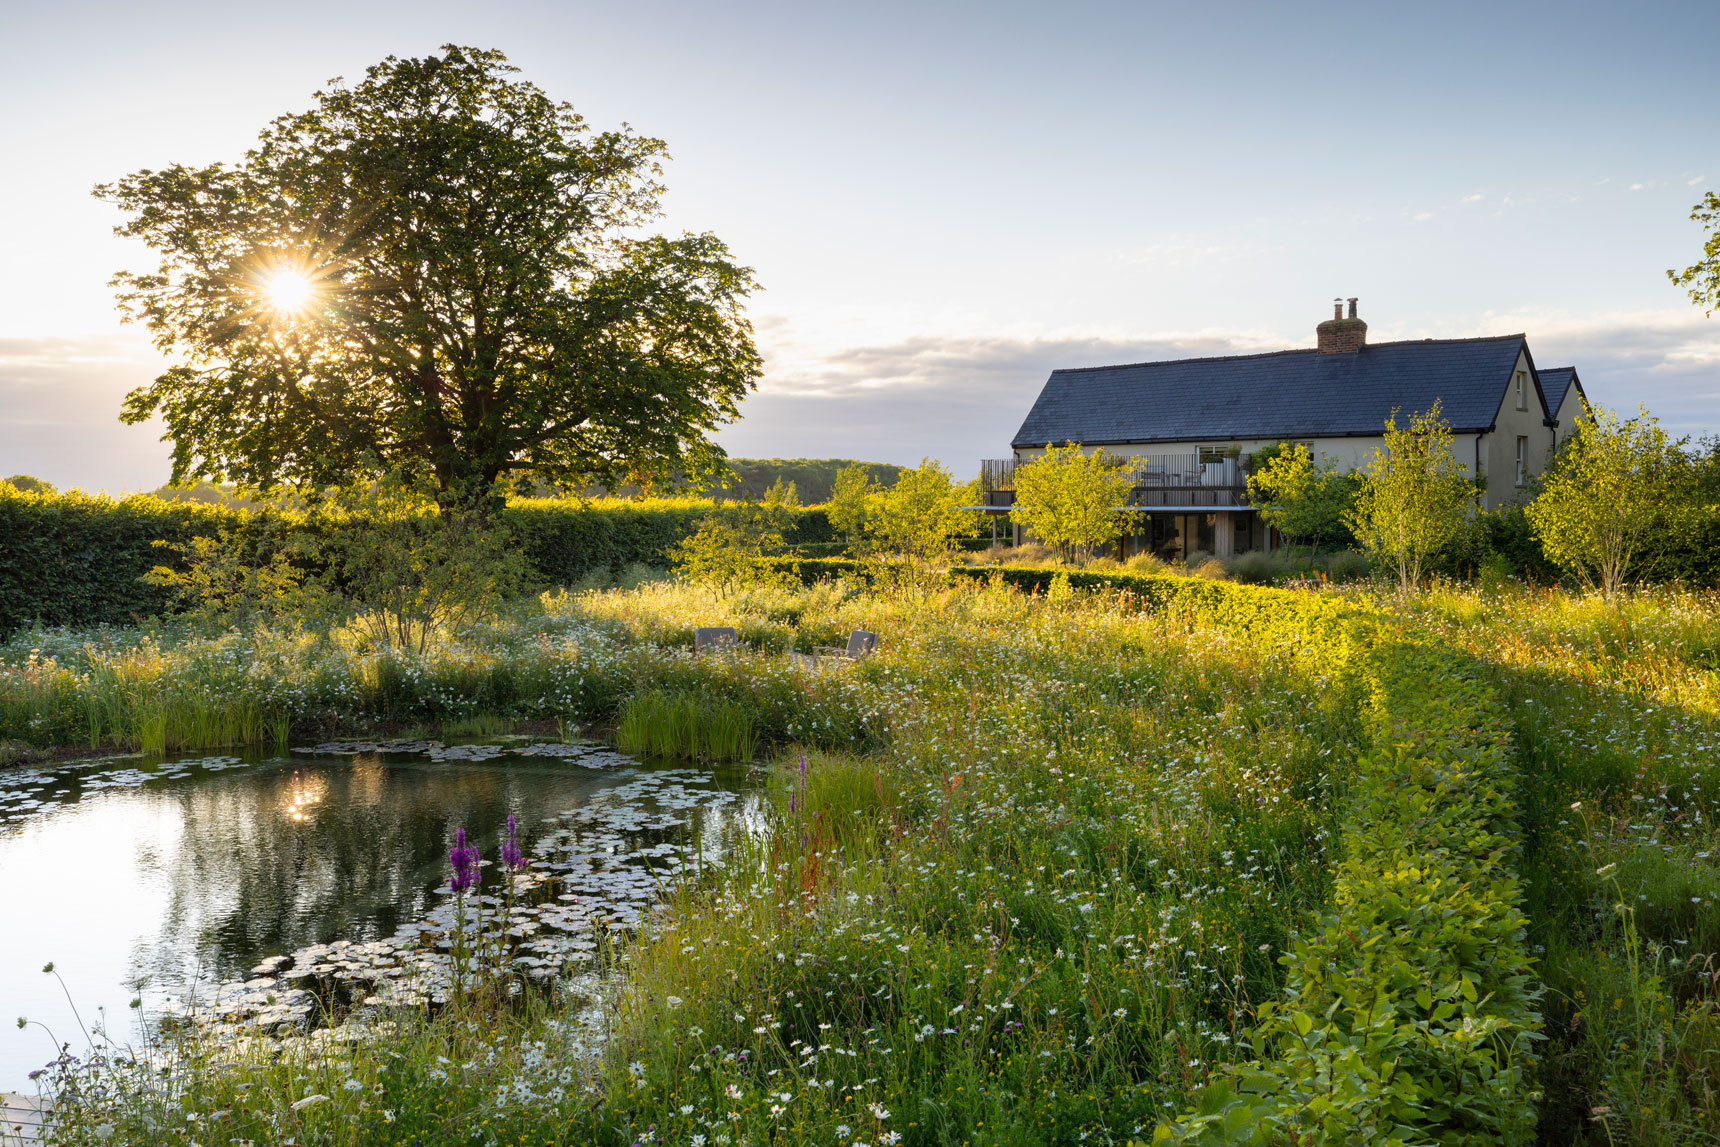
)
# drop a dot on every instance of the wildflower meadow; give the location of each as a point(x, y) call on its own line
point(1144, 859)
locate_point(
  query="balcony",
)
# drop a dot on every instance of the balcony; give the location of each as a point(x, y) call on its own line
point(1168, 481)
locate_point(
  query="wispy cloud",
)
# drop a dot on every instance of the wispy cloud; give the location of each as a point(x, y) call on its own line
point(958, 398)
point(59, 412)
point(962, 398)
point(1476, 198)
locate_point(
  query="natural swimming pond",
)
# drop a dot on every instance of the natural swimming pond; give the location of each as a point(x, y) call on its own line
point(169, 879)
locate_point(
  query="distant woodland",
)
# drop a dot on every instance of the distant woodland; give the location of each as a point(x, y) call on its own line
point(813, 479)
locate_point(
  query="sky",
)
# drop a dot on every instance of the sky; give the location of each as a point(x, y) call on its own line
point(944, 202)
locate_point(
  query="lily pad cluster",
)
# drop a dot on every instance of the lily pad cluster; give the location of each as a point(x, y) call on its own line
point(594, 871)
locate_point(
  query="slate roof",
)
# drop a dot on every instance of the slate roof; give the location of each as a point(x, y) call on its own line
point(1283, 394)
point(1556, 383)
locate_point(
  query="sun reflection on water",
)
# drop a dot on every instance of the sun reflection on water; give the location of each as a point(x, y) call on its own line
point(304, 794)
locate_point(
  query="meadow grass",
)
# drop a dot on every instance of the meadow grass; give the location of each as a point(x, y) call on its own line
point(1029, 871)
point(1616, 714)
point(1031, 884)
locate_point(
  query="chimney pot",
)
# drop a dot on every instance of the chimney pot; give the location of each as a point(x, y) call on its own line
point(1340, 335)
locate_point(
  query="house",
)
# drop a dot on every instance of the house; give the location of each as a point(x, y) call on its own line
point(1188, 426)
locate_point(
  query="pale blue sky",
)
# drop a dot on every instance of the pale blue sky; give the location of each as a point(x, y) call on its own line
point(946, 201)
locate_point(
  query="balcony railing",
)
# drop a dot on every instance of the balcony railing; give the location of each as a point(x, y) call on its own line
point(1158, 479)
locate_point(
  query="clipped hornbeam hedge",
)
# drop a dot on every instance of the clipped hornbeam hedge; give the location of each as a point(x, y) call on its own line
point(75, 558)
point(1410, 1014)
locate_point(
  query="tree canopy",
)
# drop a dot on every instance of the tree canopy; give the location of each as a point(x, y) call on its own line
point(1416, 497)
point(1304, 500)
point(438, 269)
point(1069, 499)
point(1702, 278)
point(1605, 495)
point(919, 518)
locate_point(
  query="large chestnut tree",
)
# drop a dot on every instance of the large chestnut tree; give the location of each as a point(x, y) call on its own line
point(437, 270)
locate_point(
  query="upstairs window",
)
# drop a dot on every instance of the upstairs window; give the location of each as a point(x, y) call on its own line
point(1522, 459)
point(1522, 390)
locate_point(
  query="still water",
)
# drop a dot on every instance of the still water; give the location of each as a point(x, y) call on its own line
point(162, 879)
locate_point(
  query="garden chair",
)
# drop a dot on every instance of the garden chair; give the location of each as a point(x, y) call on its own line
point(860, 644)
point(715, 638)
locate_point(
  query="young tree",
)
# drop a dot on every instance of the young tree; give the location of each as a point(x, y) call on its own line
point(1070, 499)
point(438, 267)
point(734, 544)
point(1415, 498)
point(400, 570)
point(919, 518)
point(1607, 490)
point(1303, 500)
point(848, 500)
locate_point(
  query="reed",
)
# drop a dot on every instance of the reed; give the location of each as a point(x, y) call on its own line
point(688, 724)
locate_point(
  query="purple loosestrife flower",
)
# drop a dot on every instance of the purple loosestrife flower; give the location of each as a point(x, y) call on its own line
point(465, 863)
point(794, 802)
point(512, 858)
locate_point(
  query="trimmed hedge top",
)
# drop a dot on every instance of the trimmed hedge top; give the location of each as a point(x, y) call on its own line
point(75, 558)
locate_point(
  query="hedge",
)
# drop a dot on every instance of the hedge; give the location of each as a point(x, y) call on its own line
point(75, 559)
point(1411, 1004)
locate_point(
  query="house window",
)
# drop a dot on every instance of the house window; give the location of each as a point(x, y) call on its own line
point(1522, 459)
point(1211, 454)
point(1522, 390)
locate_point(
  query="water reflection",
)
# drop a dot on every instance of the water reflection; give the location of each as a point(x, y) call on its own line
point(193, 872)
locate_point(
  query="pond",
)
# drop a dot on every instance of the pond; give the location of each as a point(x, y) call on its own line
point(175, 879)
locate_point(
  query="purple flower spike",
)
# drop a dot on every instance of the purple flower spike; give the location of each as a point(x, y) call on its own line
point(465, 864)
point(512, 858)
point(794, 801)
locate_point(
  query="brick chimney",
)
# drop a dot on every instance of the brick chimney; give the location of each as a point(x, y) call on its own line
point(1340, 335)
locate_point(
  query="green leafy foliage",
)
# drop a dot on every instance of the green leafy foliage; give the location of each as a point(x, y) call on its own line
point(1305, 501)
point(1415, 499)
point(237, 577)
point(1411, 1011)
point(405, 569)
point(1072, 500)
point(1702, 278)
point(919, 519)
point(734, 544)
point(849, 498)
point(82, 559)
point(29, 484)
point(435, 267)
point(817, 479)
point(1611, 486)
